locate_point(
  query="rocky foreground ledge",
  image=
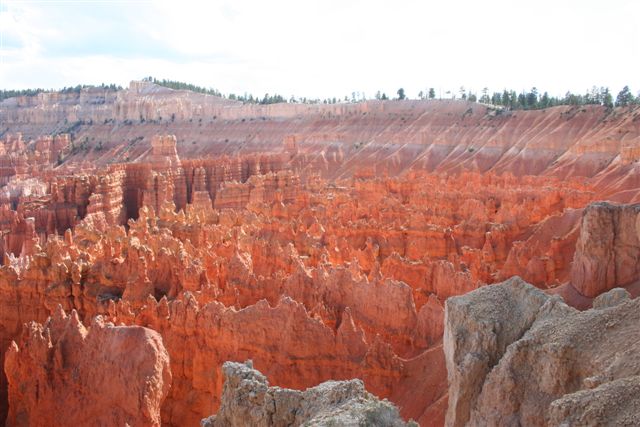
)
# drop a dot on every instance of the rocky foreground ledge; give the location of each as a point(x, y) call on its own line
point(247, 400)
point(517, 356)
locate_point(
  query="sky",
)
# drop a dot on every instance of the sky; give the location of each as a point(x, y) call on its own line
point(324, 48)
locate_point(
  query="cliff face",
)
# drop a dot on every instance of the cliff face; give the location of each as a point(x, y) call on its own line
point(63, 374)
point(608, 249)
point(319, 241)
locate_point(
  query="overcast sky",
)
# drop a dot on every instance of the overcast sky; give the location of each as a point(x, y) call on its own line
point(324, 48)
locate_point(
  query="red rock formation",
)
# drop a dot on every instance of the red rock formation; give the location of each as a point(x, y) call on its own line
point(163, 152)
point(319, 241)
point(351, 301)
point(339, 139)
point(608, 249)
point(63, 374)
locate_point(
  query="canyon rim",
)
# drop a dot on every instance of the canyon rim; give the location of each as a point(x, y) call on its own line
point(177, 256)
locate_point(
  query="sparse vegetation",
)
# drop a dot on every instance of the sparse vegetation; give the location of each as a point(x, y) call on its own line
point(507, 99)
point(381, 414)
point(71, 128)
point(176, 85)
point(77, 148)
point(12, 93)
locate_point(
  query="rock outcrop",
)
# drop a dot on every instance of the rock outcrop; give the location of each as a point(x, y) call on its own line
point(608, 249)
point(63, 374)
point(517, 356)
point(615, 403)
point(247, 399)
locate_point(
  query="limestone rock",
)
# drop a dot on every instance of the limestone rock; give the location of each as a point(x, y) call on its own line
point(611, 298)
point(615, 403)
point(478, 329)
point(247, 399)
point(559, 366)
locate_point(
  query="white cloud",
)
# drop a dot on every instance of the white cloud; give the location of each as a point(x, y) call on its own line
point(324, 48)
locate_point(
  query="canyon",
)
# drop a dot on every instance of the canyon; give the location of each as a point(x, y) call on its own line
point(357, 243)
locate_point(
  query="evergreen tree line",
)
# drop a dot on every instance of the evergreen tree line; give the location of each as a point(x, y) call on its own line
point(173, 84)
point(12, 93)
point(531, 100)
point(246, 98)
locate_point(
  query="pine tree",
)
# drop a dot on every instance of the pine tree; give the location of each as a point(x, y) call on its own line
point(463, 92)
point(544, 101)
point(532, 98)
point(485, 95)
point(505, 98)
point(624, 98)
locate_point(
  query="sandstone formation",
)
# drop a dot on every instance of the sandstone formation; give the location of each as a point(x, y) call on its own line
point(336, 140)
point(63, 374)
point(533, 360)
point(320, 241)
point(208, 279)
point(247, 399)
point(608, 249)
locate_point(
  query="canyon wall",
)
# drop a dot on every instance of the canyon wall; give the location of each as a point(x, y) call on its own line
point(320, 241)
point(338, 140)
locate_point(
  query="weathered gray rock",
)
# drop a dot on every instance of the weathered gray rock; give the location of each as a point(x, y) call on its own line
point(247, 399)
point(616, 403)
point(612, 298)
point(539, 362)
point(476, 336)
